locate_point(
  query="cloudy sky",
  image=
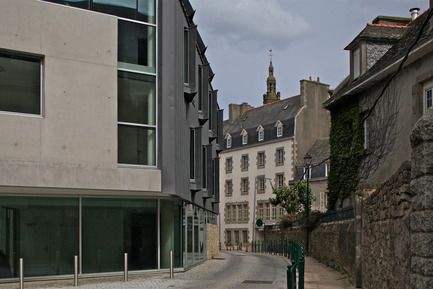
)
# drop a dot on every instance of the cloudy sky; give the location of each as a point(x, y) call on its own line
point(307, 38)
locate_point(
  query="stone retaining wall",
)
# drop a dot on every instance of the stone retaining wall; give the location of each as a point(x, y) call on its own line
point(386, 234)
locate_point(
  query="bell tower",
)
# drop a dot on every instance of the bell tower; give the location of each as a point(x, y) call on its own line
point(271, 95)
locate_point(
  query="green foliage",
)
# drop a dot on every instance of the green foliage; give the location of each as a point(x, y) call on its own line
point(346, 154)
point(293, 199)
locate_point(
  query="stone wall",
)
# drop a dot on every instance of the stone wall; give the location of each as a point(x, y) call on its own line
point(385, 233)
point(334, 245)
point(421, 217)
point(390, 242)
point(212, 241)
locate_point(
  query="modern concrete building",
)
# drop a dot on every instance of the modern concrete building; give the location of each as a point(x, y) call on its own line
point(262, 147)
point(109, 136)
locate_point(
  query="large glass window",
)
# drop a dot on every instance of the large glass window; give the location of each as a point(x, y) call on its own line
point(136, 46)
point(136, 98)
point(137, 117)
point(143, 10)
point(171, 232)
point(84, 4)
point(112, 227)
point(42, 231)
point(20, 84)
point(136, 145)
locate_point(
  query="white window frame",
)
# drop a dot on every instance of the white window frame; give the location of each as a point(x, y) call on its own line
point(261, 157)
point(366, 133)
point(280, 156)
point(244, 135)
point(279, 126)
point(261, 133)
point(229, 141)
point(245, 162)
point(262, 184)
point(41, 86)
point(428, 96)
point(280, 181)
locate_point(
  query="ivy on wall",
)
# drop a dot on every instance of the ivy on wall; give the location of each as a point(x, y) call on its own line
point(346, 153)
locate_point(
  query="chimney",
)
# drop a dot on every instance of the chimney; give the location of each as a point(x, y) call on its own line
point(235, 110)
point(414, 12)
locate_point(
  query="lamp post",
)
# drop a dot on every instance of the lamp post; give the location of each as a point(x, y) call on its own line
point(307, 163)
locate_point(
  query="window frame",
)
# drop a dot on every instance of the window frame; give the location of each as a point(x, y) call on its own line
point(427, 89)
point(40, 59)
point(261, 159)
point(245, 184)
point(244, 135)
point(245, 162)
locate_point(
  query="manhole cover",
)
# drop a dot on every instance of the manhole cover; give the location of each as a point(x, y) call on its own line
point(257, 282)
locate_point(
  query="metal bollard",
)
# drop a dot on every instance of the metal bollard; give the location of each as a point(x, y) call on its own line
point(75, 270)
point(125, 272)
point(21, 273)
point(171, 265)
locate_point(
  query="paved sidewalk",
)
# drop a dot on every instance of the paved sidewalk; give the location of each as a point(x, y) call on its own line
point(319, 276)
point(207, 275)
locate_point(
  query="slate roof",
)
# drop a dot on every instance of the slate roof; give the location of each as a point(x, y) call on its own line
point(396, 52)
point(319, 151)
point(267, 116)
point(379, 32)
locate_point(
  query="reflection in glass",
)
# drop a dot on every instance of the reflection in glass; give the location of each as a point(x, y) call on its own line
point(84, 4)
point(20, 84)
point(42, 231)
point(171, 232)
point(136, 44)
point(136, 98)
point(112, 227)
point(136, 145)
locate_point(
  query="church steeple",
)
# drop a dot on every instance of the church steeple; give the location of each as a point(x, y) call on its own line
point(271, 95)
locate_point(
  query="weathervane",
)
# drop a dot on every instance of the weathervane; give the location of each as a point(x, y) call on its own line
point(270, 54)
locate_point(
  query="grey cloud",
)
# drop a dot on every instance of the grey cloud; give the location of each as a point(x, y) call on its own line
point(249, 25)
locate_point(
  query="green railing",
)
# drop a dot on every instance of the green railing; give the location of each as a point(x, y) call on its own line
point(289, 249)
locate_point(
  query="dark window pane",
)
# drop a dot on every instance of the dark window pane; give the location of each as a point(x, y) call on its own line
point(136, 43)
point(20, 84)
point(121, 8)
point(136, 98)
point(146, 11)
point(112, 227)
point(43, 231)
point(74, 3)
point(137, 145)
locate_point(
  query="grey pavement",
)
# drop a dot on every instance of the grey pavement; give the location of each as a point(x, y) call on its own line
point(230, 270)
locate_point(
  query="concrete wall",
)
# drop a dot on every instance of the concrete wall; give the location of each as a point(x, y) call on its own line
point(74, 143)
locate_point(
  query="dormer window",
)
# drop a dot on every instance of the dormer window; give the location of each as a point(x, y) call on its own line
point(356, 62)
point(244, 135)
point(260, 133)
point(229, 141)
point(279, 126)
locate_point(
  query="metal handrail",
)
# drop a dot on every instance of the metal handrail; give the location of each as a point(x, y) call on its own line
point(289, 249)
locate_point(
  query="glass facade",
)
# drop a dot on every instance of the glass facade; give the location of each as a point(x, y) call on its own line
point(42, 231)
point(47, 232)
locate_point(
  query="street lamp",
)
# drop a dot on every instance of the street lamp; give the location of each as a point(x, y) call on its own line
point(307, 163)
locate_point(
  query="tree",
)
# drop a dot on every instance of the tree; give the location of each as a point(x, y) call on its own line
point(293, 199)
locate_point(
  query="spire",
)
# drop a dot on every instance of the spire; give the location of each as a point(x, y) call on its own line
point(271, 95)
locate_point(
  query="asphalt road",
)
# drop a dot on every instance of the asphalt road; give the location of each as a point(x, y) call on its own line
point(231, 270)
